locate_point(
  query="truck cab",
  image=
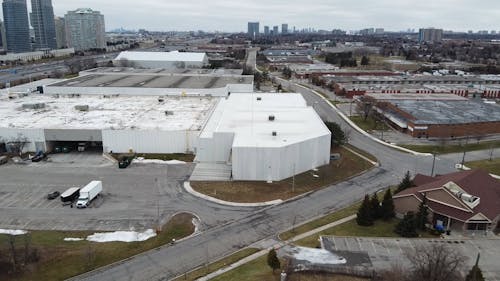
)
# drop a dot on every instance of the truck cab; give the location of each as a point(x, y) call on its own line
point(82, 202)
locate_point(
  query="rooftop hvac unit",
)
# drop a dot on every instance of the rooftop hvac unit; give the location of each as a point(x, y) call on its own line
point(82, 107)
point(259, 98)
point(161, 100)
point(169, 113)
point(33, 105)
point(274, 133)
point(272, 118)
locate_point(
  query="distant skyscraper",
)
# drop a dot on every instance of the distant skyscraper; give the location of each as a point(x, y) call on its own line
point(60, 32)
point(85, 29)
point(253, 29)
point(42, 20)
point(430, 35)
point(266, 30)
point(15, 16)
point(276, 30)
point(284, 28)
point(2, 36)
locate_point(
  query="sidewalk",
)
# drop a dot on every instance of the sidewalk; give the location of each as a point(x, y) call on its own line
point(276, 245)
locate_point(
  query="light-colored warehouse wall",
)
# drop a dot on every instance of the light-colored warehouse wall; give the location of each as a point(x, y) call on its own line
point(73, 135)
point(121, 141)
point(35, 138)
point(215, 149)
point(275, 164)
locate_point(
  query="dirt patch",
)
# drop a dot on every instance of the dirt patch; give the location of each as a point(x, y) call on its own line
point(251, 192)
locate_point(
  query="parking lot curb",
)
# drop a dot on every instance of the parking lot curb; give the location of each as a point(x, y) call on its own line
point(189, 189)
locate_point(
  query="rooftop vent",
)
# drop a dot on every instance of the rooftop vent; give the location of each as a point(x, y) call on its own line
point(84, 108)
point(259, 98)
point(169, 113)
point(274, 133)
point(272, 118)
point(33, 105)
point(161, 100)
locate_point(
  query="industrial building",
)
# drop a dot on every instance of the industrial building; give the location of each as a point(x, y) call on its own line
point(466, 85)
point(438, 116)
point(153, 83)
point(211, 113)
point(265, 137)
point(168, 60)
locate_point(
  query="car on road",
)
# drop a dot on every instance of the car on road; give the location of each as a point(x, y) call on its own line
point(39, 157)
point(53, 195)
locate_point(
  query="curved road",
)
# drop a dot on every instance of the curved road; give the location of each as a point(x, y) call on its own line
point(170, 261)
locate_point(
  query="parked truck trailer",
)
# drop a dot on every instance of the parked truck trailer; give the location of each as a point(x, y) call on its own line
point(89, 193)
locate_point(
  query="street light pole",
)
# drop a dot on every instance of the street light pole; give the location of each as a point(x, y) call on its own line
point(433, 164)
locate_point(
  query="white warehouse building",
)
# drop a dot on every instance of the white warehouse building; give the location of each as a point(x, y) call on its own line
point(265, 137)
point(167, 60)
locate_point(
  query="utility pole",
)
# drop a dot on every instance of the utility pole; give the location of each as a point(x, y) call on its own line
point(433, 164)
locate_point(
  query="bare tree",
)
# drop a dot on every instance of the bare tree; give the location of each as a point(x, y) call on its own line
point(17, 144)
point(436, 263)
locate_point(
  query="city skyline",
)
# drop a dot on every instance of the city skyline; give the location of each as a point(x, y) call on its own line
point(230, 16)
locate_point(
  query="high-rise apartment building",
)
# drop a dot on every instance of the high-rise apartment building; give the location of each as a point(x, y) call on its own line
point(85, 29)
point(276, 30)
point(253, 29)
point(17, 30)
point(284, 28)
point(42, 21)
point(3, 44)
point(60, 24)
point(266, 30)
point(430, 35)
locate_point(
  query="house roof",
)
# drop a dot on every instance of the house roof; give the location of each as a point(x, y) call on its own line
point(475, 182)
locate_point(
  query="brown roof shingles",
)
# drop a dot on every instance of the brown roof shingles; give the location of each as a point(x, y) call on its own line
point(475, 182)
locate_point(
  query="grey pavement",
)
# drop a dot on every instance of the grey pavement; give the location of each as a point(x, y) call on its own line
point(130, 197)
point(385, 252)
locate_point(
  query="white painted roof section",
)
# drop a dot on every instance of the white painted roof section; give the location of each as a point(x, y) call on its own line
point(248, 119)
point(162, 56)
point(120, 113)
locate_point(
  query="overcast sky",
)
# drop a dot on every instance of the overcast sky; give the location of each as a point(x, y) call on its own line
point(233, 15)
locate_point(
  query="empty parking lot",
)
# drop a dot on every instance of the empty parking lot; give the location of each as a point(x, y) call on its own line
point(386, 252)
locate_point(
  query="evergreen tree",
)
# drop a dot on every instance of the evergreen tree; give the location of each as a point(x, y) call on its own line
point(338, 136)
point(405, 183)
point(422, 214)
point(364, 216)
point(375, 206)
point(387, 207)
point(272, 260)
point(408, 226)
point(475, 274)
point(365, 60)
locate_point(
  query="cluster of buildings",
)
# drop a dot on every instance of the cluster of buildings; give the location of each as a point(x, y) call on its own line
point(430, 35)
point(254, 29)
point(82, 29)
point(175, 107)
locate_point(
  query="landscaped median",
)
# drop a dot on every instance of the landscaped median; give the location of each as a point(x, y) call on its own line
point(53, 258)
point(453, 148)
point(347, 166)
point(492, 166)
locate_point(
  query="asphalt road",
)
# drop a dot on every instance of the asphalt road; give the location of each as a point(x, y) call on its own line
point(168, 262)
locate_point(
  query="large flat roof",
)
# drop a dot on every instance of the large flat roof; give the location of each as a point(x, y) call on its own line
point(120, 113)
point(155, 80)
point(161, 56)
point(449, 112)
point(131, 70)
point(248, 119)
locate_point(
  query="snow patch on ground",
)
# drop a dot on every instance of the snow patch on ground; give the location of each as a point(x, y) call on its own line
point(13, 232)
point(73, 239)
point(313, 256)
point(122, 236)
point(197, 225)
point(141, 160)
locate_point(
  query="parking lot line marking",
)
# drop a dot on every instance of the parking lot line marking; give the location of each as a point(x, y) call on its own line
point(359, 243)
point(346, 241)
point(411, 244)
point(334, 244)
point(373, 245)
point(386, 248)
